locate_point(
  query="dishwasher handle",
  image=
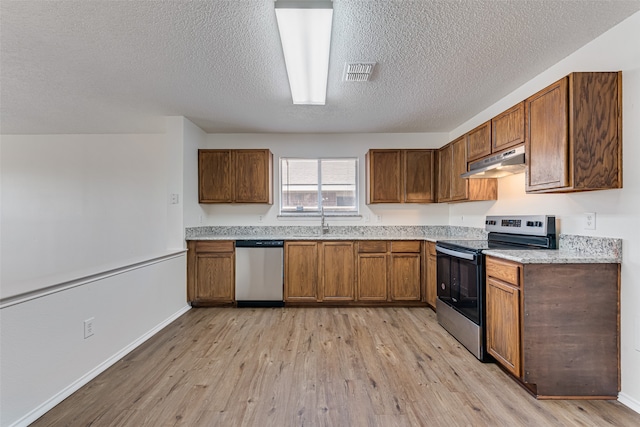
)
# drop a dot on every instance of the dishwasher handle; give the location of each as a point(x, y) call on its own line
point(259, 243)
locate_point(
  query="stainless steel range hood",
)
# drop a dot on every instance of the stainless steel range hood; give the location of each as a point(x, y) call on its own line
point(507, 163)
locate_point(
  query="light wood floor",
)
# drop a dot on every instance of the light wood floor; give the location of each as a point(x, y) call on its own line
point(314, 367)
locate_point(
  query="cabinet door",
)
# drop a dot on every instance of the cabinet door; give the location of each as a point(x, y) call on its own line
point(372, 277)
point(253, 176)
point(459, 166)
point(384, 176)
point(503, 324)
point(301, 271)
point(546, 138)
point(444, 173)
point(507, 128)
point(215, 277)
point(214, 176)
point(338, 271)
point(479, 142)
point(432, 275)
point(405, 277)
point(418, 172)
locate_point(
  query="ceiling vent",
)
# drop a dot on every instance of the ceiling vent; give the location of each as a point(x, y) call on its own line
point(358, 71)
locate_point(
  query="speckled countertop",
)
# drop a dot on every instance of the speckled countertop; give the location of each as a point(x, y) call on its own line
point(572, 249)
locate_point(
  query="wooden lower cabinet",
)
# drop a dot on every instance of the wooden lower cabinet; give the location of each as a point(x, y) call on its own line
point(372, 277)
point(349, 272)
point(556, 327)
point(503, 324)
point(405, 277)
point(338, 275)
point(301, 271)
point(210, 273)
point(431, 289)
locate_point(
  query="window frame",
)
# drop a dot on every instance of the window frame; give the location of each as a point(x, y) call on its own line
point(319, 210)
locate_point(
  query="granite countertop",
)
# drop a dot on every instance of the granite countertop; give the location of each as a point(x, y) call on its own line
point(572, 249)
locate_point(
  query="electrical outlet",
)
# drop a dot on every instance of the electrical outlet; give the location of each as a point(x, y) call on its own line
point(590, 221)
point(260, 218)
point(88, 328)
point(379, 218)
point(175, 199)
point(366, 218)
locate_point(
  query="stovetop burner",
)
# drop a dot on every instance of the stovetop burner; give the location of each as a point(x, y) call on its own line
point(511, 232)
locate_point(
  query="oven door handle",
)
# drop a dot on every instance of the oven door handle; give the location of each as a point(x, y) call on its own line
point(455, 254)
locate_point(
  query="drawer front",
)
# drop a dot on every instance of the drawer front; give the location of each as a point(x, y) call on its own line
point(372, 246)
point(504, 270)
point(405, 246)
point(215, 246)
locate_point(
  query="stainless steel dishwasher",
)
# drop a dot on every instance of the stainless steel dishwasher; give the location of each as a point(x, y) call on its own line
point(259, 273)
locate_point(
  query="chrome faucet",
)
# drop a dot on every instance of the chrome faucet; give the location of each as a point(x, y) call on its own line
point(324, 225)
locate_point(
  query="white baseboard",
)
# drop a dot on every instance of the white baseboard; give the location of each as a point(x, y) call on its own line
point(75, 386)
point(629, 401)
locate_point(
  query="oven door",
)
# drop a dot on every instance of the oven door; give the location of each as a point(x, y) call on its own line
point(460, 281)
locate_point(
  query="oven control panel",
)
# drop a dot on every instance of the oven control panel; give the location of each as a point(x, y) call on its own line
point(535, 225)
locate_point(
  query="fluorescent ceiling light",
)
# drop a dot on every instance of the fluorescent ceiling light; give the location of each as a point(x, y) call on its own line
point(305, 33)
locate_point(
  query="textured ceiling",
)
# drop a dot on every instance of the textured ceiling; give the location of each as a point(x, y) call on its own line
point(121, 66)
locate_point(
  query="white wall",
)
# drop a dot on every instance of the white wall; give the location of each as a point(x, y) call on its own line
point(86, 231)
point(313, 145)
point(617, 211)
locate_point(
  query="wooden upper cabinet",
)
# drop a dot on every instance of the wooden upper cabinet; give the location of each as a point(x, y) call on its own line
point(235, 176)
point(573, 136)
point(507, 128)
point(445, 163)
point(214, 176)
point(254, 176)
point(384, 176)
point(452, 162)
point(459, 166)
point(400, 176)
point(479, 142)
point(419, 176)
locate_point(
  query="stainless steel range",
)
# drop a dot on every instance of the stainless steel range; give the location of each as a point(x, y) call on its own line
point(461, 273)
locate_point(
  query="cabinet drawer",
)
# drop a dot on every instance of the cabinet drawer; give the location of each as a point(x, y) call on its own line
point(372, 246)
point(405, 246)
point(214, 246)
point(504, 270)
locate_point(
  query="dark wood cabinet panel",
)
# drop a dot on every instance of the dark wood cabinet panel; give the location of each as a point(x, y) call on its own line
point(479, 142)
point(210, 273)
point(558, 330)
point(338, 274)
point(235, 176)
point(573, 136)
point(507, 128)
point(384, 176)
point(400, 176)
point(431, 292)
point(452, 162)
point(445, 164)
point(214, 176)
point(372, 277)
point(459, 190)
point(419, 176)
point(503, 323)
point(254, 176)
point(547, 143)
point(405, 277)
point(301, 271)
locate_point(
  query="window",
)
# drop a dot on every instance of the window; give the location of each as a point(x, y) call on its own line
point(308, 185)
